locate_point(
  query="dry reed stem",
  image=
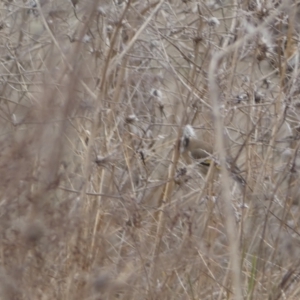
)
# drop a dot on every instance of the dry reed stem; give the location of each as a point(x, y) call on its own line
point(96, 201)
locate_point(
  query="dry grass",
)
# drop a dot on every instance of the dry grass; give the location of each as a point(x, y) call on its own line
point(96, 202)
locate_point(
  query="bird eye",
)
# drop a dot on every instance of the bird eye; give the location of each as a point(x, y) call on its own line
point(185, 142)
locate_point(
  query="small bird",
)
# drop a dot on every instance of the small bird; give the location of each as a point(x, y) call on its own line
point(193, 149)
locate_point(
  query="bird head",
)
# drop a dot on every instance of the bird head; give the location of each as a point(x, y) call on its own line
point(188, 132)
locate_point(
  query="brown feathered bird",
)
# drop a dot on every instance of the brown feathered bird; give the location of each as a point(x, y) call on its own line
point(193, 149)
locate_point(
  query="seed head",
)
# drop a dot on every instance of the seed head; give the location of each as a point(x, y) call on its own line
point(213, 22)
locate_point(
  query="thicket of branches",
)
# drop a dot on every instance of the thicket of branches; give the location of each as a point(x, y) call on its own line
point(96, 200)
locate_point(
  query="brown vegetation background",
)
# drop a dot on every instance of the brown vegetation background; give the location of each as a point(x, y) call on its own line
point(95, 200)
